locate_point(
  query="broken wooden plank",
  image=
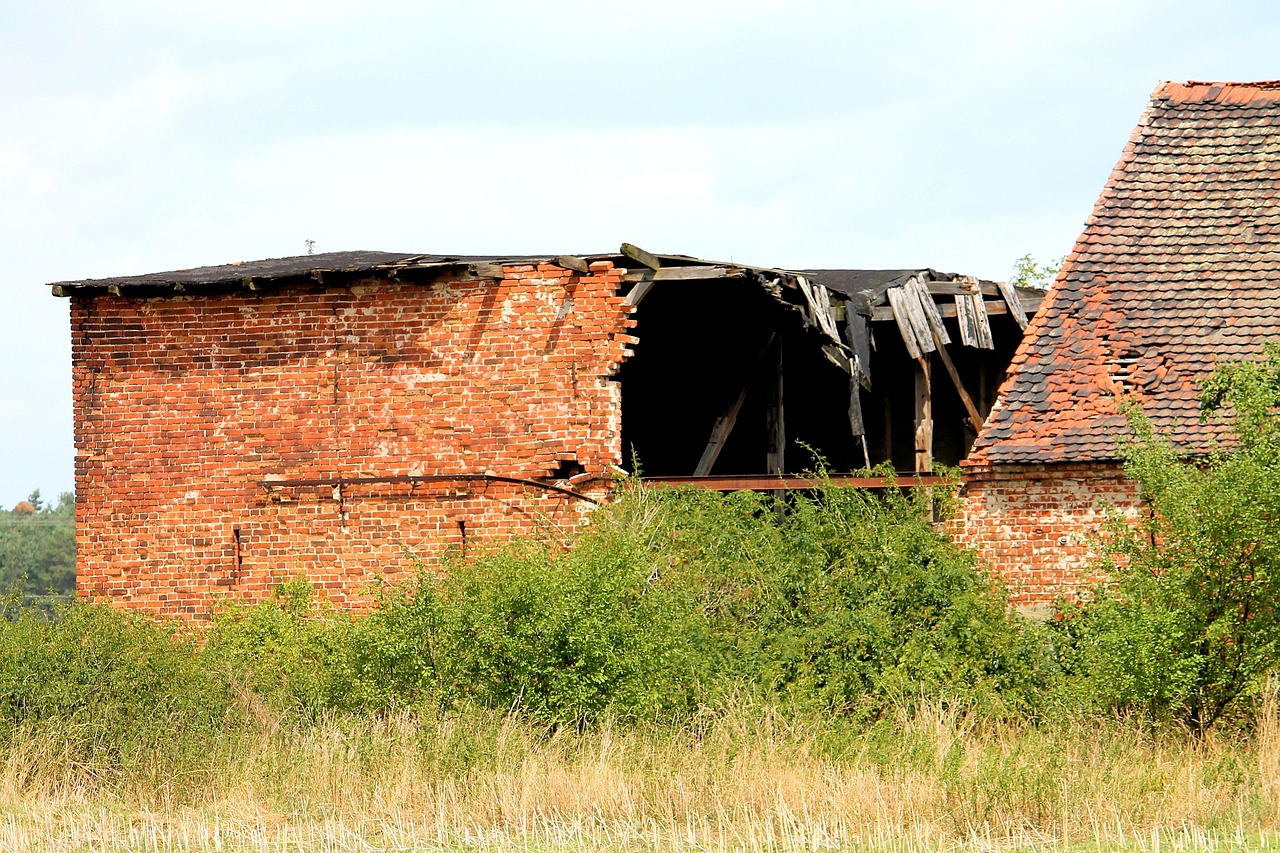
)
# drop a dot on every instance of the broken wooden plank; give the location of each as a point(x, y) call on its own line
point(640, 291)
point(488, 271)
point(968, 323)
point(947, 312)
point(640, 256)
point(677, 274)
point(1010, 294)
point(908, 312)
point(858, 337)
point(819, 301)
point(898, 309)
point(569, 262)
point(916, 287)
point(923, 418)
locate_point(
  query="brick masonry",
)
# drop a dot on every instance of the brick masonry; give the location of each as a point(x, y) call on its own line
point(1036, 526)
point(186, 405)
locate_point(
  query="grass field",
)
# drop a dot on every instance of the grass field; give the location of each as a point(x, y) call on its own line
point(742, 780)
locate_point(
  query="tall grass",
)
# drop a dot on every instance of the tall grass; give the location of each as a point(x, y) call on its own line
point(690, 675)
point(742, 777)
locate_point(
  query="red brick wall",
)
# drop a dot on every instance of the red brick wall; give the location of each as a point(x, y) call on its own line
point(184, 406)
point(1034, 525)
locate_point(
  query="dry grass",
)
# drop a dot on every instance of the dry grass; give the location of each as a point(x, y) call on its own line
point(745, 781)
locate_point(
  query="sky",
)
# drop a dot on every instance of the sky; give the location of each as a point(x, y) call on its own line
point(146, 135)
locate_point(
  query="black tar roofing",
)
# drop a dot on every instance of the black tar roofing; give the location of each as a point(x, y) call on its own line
point(847, 282)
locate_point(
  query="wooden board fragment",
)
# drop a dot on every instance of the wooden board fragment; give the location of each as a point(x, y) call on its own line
point(640, 291)
point(924, 418)
point(1011, 298)
point(571, 263)
point(908, 309)
point(639, 255)
point(858, 337)
point(819, 301)
point(487, 270)
point(897, 304)
point(677, 274)
point(917, 288)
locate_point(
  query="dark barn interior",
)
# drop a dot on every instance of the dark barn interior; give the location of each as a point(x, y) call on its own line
point(736, 376)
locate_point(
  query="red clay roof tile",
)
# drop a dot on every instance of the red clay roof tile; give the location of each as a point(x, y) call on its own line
point(1178, 266)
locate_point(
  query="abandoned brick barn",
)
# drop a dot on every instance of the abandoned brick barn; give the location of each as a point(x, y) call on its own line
point(1177, 268)
point(339, 416)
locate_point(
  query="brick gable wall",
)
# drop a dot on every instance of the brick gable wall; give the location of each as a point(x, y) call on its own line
point(185, 406)
point(1034, 525)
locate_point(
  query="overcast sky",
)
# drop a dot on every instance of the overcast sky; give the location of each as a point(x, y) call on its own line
point(145, 136)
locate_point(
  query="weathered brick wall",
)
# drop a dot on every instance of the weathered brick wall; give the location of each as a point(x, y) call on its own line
point(186, 405)
point(1035, 525)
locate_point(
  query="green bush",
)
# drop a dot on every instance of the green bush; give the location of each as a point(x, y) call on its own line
point(854, 603)
point(115, 691)
point(1187, 629)
point(288, 650)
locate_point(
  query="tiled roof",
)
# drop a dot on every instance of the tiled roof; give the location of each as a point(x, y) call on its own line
point(1178, 267)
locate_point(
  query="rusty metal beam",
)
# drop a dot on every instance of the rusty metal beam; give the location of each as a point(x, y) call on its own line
point(771, 482)
point(341, 482)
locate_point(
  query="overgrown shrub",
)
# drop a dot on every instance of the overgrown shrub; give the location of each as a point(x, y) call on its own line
point(287, 650)
point(853, 604)
point(1187, 629)
point(115, 692)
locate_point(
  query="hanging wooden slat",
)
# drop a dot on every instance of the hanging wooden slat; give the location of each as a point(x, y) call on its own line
point(1011, 298)
point(897, 304)
point(971, 312)
point(858, 337)
point(909, 315)
point(819, 301)
point(917, 288)
point(924, 418)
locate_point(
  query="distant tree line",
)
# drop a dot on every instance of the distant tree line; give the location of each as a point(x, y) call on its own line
point(38, 546)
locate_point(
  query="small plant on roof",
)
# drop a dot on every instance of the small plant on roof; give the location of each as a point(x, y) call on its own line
point(1028, 273)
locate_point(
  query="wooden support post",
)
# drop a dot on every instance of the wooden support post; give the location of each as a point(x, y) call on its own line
point(887, 395)
point(924, 417)
point(775, 424)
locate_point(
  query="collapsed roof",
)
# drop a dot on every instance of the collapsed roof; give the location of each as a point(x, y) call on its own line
point(835, 309)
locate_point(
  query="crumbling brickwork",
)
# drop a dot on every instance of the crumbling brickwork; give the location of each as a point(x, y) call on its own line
point(1036, 525)
point(189, 409)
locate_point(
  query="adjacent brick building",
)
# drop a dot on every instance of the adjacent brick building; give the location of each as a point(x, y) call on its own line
point(1177, 268)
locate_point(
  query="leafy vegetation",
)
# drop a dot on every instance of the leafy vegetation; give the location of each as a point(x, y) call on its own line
point(1187, 630)
point(668, 601)
point(1027, 272)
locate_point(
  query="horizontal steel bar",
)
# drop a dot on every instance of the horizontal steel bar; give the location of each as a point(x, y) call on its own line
point(341, 482)
point(769, 482)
